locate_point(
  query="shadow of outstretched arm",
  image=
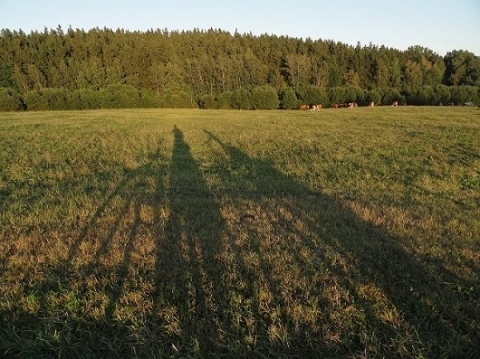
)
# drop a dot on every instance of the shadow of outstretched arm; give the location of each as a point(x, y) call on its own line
point(401, 296)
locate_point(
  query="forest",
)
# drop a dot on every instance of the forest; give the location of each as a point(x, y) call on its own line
point(61, 69)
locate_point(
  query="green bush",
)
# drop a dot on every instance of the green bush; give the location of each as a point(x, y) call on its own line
point(85, 99)
point(149, 99)
point(224, 100)
point(314, 95)
point(373, 96)
point(9, 100)
point(176, 99)
point(264, 98)
point(57, 98)
point(35, 101)
point(288, 99)
point(441, 95)
point(119, 96)
point(241, 99)
point(350, 94)
point(207, 102)
point(391, 95)
point(337, 94)
point(360, 96)
point(462, 94)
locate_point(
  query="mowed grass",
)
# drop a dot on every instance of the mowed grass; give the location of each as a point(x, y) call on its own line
point(165, 234)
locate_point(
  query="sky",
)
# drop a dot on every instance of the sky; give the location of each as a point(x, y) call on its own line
point(440, 25)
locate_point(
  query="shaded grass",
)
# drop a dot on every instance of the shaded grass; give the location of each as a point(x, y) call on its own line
point(261, 234)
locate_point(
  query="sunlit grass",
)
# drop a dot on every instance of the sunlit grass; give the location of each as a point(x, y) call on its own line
point(176, 233)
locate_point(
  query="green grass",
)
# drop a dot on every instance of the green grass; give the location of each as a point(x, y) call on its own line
point(162, 233)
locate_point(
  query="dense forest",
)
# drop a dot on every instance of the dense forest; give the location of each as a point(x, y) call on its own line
point(103, 68)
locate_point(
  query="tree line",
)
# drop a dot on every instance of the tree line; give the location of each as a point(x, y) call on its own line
point(103, 68)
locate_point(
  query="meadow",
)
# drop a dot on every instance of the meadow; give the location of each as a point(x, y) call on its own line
point(259, 234)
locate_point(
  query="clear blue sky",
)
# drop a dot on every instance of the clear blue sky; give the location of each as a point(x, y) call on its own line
point(440, 25)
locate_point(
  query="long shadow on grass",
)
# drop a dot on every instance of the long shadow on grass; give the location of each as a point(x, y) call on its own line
point(372, 296)
point(111, 245)
point(188, 270)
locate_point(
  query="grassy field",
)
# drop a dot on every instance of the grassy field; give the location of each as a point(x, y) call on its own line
point(188, 233)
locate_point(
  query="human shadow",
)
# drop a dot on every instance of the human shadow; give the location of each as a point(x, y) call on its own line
point(367, 265)
point(188, 271)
